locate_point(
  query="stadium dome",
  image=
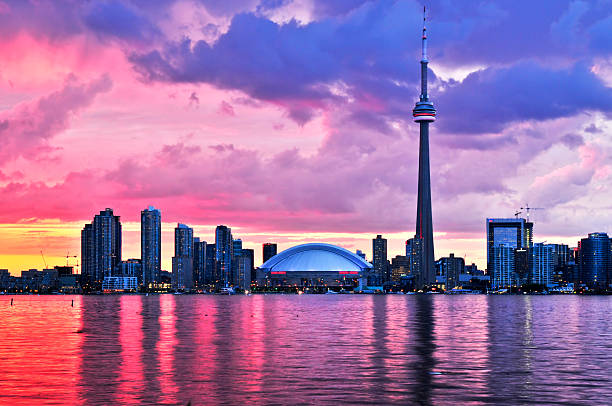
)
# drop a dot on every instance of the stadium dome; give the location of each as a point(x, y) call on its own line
point(316, 258)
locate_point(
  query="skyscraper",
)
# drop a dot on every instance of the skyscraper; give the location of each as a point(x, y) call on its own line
point(379, 261)
point(210, 270)
point(414, 252)
point(594, 260)
point(87, 252)
point(542, 264)
point(150, 245)
point(107, 234)
point(249, 254)
point(269, 250)
point(199, 262)
point(224, 252)
point(182, 262)
point(424, 113)
point(511, 233)
point(101, 246)
point(236, 256)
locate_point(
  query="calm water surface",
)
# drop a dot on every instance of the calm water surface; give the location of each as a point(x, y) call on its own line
point(324, 349)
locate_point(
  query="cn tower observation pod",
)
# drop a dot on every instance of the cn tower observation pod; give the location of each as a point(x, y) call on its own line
point(315, 264)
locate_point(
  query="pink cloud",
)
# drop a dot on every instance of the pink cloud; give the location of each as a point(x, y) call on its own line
point(26, 129)
point(226, 109)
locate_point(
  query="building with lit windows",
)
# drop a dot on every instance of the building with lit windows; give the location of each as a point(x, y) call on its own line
point(224, 253)
point(182, 262)
point(542, 264)
point(594, 260)
point(509, 233)
point(379, 261)
point(150, 245)
point(101, 247)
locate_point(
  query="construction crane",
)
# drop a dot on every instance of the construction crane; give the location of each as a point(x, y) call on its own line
point(517, 214)
point(43, 257)
point(527, 208)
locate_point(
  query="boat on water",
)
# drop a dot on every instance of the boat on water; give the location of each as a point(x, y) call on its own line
point(331, 292)
point(227, 291)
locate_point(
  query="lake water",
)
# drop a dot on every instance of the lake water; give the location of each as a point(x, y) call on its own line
point(289, 349)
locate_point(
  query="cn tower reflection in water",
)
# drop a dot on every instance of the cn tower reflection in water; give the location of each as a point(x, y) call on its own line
point(428, 349)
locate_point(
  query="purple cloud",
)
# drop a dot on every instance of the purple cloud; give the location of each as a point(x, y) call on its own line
point(486, 101)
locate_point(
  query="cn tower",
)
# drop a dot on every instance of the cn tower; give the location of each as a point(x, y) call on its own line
point(424, 113)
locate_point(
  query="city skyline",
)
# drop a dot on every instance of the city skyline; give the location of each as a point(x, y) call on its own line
point(315, 145)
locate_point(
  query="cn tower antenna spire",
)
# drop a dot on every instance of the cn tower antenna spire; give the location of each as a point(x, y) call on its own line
point(424, 47)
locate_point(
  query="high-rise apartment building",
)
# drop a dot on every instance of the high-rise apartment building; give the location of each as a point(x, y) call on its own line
point(150, 245)
point(414, 252)
point(379, 261)
point(236, 257)
point(182, 262)
point(101, 246)
point(595, 260)
point(88, 252)
point(249, 254)
point(199, 262)
point(210, 271)
point(269, 250)
point(224, 253)
point(542, 264)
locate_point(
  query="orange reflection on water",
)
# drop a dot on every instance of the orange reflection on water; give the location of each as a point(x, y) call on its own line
point(39, 345)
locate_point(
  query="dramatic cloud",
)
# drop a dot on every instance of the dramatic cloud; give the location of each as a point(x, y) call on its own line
point(302, 67)
point(486, 101)
point(26, 129)
point(295, 115)
point(116, 19)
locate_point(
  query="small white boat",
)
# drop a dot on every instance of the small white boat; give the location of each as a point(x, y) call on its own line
point(227, 291)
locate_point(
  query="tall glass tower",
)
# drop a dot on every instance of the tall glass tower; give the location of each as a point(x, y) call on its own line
point(150, 244)
point(424, 113)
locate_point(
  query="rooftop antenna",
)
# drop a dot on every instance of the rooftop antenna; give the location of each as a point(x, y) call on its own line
point(424, 61)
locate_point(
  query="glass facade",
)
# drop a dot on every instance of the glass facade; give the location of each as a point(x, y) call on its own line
point(150, 245)
point(595, 264)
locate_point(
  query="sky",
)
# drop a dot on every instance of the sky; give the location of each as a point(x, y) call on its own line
point(290, 120)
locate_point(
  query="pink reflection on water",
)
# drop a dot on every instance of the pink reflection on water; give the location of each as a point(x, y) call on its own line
point(39, 341)
point(165, 349)
point(461, 355)
point(252, 334)
point(205, 333)
point(131, 373)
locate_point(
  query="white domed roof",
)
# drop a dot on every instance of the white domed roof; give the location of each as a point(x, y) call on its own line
point(316, 257)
